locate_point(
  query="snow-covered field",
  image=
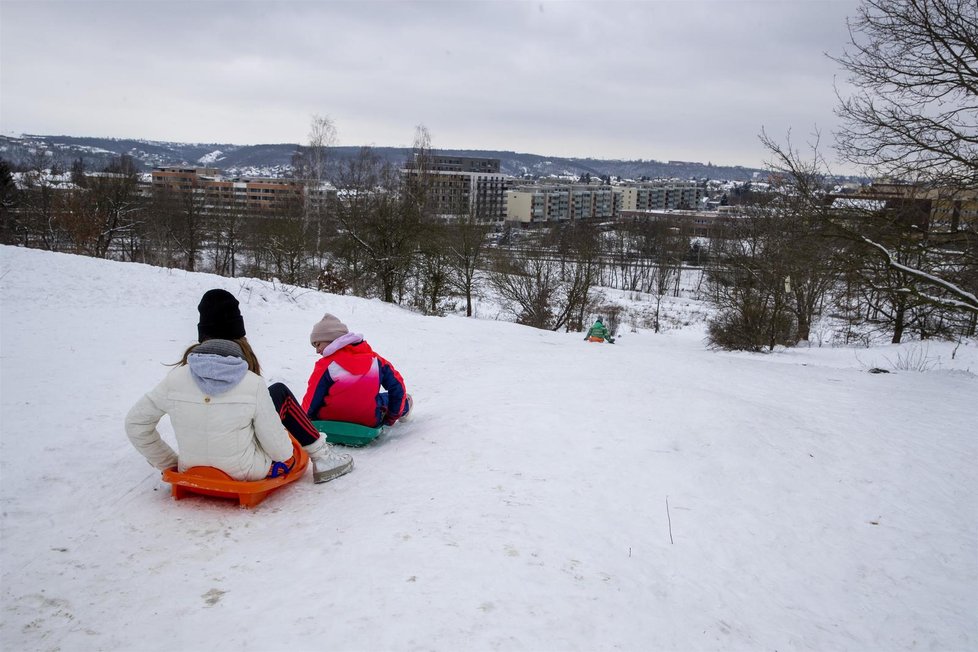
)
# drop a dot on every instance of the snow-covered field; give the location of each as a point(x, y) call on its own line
point(548, 495)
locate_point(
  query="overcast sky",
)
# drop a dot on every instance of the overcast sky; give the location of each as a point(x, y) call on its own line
point(685, 80)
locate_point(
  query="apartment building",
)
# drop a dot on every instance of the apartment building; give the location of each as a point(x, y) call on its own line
point(181, 179)
point(560, 203)
point(259, 194)
point(465, 164)
point(557, 202)
point(661, 195)
point(462, 185)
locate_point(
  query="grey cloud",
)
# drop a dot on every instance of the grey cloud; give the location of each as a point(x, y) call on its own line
point(681, 80)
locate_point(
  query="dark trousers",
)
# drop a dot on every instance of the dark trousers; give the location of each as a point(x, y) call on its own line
point(292, 416)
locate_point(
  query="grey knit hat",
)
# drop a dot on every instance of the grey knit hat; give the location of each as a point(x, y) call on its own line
point(227, 348)
point(327, 329)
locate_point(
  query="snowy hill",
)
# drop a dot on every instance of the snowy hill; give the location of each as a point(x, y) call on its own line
point(548, 495)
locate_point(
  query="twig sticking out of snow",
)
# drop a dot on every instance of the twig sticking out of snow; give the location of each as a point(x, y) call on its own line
point(669, 518)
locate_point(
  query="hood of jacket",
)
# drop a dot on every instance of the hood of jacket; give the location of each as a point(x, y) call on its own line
point(351, 352)
point(216, 374)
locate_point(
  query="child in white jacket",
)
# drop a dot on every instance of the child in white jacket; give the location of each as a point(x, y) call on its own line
point(222, 413)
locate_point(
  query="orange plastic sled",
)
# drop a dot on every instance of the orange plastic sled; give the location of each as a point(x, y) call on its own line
point(595, 339)
point(208, 481)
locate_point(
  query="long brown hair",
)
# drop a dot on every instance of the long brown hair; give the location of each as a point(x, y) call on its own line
point(249, 354)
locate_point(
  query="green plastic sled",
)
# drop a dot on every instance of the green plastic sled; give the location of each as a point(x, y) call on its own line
point(347, 434)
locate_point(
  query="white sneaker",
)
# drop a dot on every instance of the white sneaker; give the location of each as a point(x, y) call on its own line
point(327, 464)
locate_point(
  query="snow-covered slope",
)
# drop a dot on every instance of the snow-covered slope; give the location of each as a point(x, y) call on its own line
point(811, 505)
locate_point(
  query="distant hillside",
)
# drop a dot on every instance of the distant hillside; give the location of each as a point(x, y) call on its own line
point(275, 159)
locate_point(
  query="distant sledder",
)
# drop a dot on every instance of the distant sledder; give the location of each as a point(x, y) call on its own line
point(599, 333)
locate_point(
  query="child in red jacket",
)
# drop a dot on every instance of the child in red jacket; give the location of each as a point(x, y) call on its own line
point(346, 382)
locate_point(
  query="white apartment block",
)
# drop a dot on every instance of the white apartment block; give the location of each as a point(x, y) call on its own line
point(556, 203)
point(661, 195)
point(531, 204)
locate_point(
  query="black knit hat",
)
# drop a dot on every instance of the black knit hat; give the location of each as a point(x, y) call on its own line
point(219, 317)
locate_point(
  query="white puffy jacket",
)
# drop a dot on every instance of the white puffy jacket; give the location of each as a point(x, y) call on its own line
point(237, 431)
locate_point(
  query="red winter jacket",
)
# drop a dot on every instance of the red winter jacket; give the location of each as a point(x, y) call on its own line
point(345, 386)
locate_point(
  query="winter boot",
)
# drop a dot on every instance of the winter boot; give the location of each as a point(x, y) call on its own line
point(327, 463)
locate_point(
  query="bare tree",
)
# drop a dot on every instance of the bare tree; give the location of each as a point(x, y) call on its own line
point(40, 205)
point(418, 190)
point(747, 280)
point(310, 162)
point(281, 233)
point(809, 243)
point(465, 241)
point(227, 224)
point(881, 298)
point(8, 202)
point(432, 268)
point(623, 272)
point(579, 252)
point(357, 181)
point(527, 284)
point(379, 223)
point(914, 111)
point(181, 214)
point(669, 243)
point(111, 207)
point(549, 286)
point(778, 262)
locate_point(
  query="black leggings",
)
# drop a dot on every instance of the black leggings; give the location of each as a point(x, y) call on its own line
point(292, 416)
